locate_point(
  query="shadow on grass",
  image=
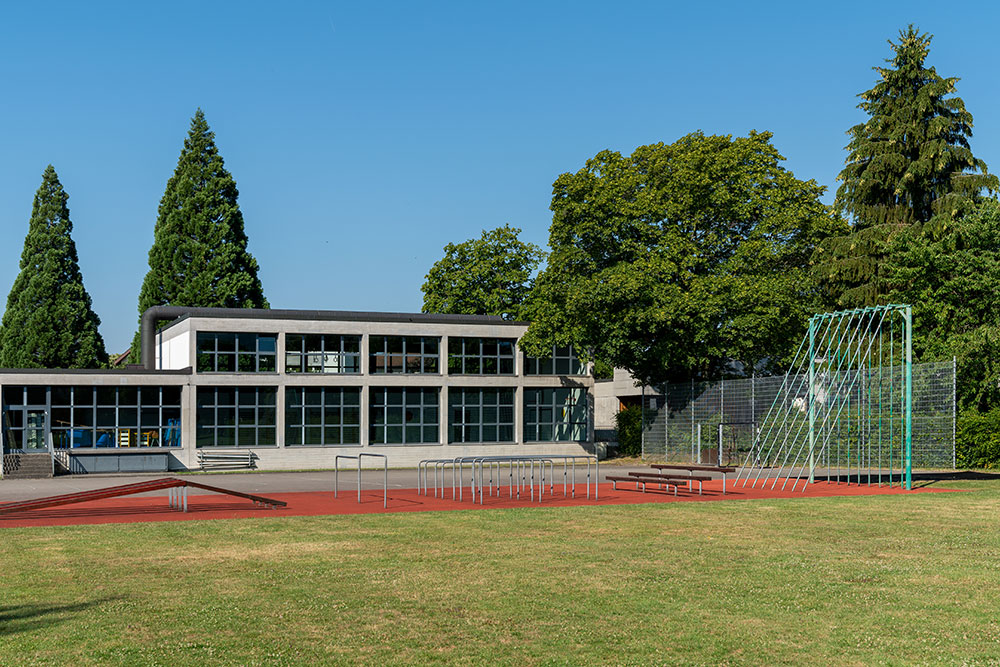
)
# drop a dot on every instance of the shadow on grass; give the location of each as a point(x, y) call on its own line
point(18, 618)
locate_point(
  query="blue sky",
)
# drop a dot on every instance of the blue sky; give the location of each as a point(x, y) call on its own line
point(364, 137)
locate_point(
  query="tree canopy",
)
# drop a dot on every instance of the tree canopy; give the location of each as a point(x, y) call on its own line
point(908, 164)
point(952, 283)
point(199, 256)
point(49, 322)
point(491, 275)
point(681, 258)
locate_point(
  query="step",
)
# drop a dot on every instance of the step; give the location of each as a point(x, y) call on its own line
point(27, 466)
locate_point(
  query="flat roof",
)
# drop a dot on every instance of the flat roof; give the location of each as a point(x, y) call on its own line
point(345, 316)
point(110, 372)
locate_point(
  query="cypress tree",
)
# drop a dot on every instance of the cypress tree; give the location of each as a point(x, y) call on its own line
point(199, 256)
point(49, 322)
point(909, 164)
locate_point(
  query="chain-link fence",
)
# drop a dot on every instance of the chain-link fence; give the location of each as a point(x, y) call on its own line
point(709, 422)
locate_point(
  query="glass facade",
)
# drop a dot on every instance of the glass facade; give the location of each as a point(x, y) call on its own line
point(481, 356)
point(403, 354)
point(236, 353)
point(562, 362)
point(555, 415)
point(236, 416)
point(480, 415)
point(315, 353)
point(322, 416)
point(91, 416)
point(403, 415)
point(121, 414)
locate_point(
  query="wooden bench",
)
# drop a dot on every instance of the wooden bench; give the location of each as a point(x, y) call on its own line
point(689, 480)
point(692, 469)
point(225, 460)
point(614, 479)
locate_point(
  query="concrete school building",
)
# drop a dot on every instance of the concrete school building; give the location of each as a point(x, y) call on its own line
point(294, 388)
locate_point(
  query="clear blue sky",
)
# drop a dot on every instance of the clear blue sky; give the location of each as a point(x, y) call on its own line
point(364, 136)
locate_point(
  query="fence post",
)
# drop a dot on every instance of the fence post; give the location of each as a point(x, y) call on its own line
point(642, 420)
point(666, 421)
point(954, 410)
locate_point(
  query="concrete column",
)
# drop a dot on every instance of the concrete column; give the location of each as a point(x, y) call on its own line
point(365, 428)
point(189, 421)
point(279, 417)
point(443, 415)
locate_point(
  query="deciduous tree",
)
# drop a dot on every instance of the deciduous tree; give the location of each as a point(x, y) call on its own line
point(491, 275)
point(680, 258)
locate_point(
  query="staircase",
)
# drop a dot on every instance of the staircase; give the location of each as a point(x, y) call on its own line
point(27, 466)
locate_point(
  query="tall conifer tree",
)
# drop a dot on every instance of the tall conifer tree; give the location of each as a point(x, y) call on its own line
point(199, 256)
point(49, 322)
point(909, 164)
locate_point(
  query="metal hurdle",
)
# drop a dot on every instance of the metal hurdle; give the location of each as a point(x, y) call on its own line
point(358, 457)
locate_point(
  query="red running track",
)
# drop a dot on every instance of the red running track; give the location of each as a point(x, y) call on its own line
point(316, 503)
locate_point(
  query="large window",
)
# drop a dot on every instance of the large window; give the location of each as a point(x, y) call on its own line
point(236, 416)
point(481, 356)
point(237, 353)
point(315, 353)
point(555, 415)
point(562, 362)
point(480, 415)
point(88, 416)
point(403, 354)
point(403, 415)
point(322, 416)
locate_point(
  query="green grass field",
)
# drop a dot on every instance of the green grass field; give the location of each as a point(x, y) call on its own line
point(890, 579)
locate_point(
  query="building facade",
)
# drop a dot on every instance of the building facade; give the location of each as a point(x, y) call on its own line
point(296, 388)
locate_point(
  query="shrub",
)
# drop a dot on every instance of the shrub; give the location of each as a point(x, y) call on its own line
point(978, 440)
point(628, 424)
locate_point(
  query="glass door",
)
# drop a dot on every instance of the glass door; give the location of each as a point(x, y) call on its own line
point(36, 430)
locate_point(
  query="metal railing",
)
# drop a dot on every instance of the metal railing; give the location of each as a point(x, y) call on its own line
point(521, 475)
point(358, 457)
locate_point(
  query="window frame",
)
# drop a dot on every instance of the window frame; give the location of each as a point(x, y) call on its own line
point(326, 409)
point(233, 413)
point(340, 353)
point(471, 357)
point(463, 406)
point(379, 400)
point(402, 347)
point(535, 407)
point(215, 354)
point(560, 354)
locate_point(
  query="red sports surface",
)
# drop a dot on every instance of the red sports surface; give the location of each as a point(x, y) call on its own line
point(211, 506)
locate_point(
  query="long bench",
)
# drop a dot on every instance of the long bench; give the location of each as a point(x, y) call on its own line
point(701, 479)
point(692, 469)
point(614, 479)
point(225, 460)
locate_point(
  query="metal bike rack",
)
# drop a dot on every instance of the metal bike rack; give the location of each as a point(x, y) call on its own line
point(358, 457)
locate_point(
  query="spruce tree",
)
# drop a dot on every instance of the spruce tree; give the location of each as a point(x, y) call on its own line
point(909, 164)
point(199, 256)
point(49, 322)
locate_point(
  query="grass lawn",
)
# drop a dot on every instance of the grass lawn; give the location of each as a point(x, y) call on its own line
point(890, 579)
